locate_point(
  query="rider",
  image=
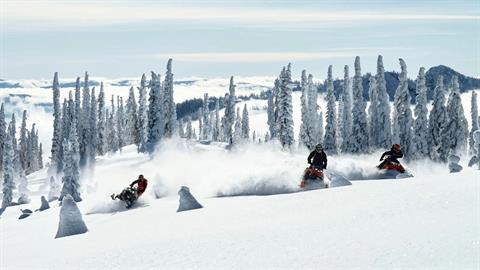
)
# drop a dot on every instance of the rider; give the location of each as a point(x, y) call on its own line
point(391, 156)
point(318, 158)
point(141, 183)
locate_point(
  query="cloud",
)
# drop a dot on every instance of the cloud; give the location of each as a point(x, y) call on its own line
point(93, 13)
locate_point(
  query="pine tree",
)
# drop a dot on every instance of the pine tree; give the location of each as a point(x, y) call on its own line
point(347, 121)
point(437, 123)
point(8, 171)
point(57, 164)
point(271, 121)
point(168, 107)
point(131, 122)
point(71, 176)
point(359, 129)
point(473, 113)
point(3, 134)
point(78, 106)
point(420, 142)
point(142, 115)
point(373, 113)
point(120, 122)
point(205, 115)
point(330, 140)
point(230, 101)
point(189, 131)
point(315, 126)
point(403, 121)
point(93, 128)
point(303, 137)
point(245, 123)
point(23, 143)
point(456, 130)
point(102, 123)
point(154, 113)
point(181, 129)
point(217, 128)
point(40, 156)
point(237, 135)
point(112, 139)
point(23, 189)
point(84, 132)
point(384, 139)
point(285, 110)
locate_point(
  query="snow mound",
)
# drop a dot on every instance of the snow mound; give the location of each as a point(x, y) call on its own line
point(187, 201)
point(71, 221)
point(336, 179)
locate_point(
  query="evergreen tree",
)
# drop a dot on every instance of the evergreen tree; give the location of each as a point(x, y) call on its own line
point(347, 120)
point(217, 128)
point(131, 122)
point(245, 123)
point(71, 176)
point(230, 101)
point(3, 134)
point(8, 171)
point(40, 156)
point(237, 136)
point(168, 106)
point(102, 123)
point(456, 130)
point(437, 121)
point(359, 129)
point(120, 122)
point(473, 113)
point(23, 189)
point(420, 142)
point(78, 106)
point(373, 113)
point(112, 139)
point(315, 125)
point(142, 115)
point(93, 127)
point(403, 121)
point(285, 110)
point(384, 139)
point(303, 137)
point(205, 115)
point(189, 131)
point(84, 132)
point(56, 162)
point(154, 112)
point(181, 129)
point(330, 140)
point(23, 143)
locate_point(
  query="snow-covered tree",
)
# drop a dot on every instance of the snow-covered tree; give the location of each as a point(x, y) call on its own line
point(373, 113)
point(330, 140)
point(230, 100)
point(346, 128)
point(189, 131)
point(437, 122)
point(23, 143)
point(93, 127)
point(131, 121)
point(78, 105)
point(181, 129)
point(102, 123)
point(40, 156)
point(71, 176)
point(84, 132)
point(237, 135)
point(285, 109)
point(120, 122)
point(245, 123)
point(402, 116)
point(23, 189)
point(112, 139)
point(3, 134)
point(205, 133)
point(473, 113)
point(456, 130)
point(8, 171)
point(384, 135)
point(142, 114)
point(359, 136)
point(271, 121)
point(420, 143)
point(303, 137)
point(54, 189)
point(315, 125)
point(216, 134)
point(168, 105)
point(56, 162)
point(154, 112)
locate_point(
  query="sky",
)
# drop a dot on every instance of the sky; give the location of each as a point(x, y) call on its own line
point(242, 38)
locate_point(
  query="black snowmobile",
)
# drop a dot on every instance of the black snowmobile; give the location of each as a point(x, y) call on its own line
point(128, 195)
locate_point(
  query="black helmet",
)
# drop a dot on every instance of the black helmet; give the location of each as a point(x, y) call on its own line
point(140, 176)
point(318, 147)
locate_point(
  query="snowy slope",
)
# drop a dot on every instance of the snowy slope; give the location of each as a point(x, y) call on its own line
point(428, 221)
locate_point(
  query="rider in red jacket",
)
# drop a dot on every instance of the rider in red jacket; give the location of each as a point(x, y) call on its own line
point(141, 183)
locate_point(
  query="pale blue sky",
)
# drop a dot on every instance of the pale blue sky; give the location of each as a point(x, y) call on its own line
point(222, 38)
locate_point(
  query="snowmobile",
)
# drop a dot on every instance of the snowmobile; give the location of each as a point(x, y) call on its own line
point(128, 195)
point(392, 170)
point(313, 178)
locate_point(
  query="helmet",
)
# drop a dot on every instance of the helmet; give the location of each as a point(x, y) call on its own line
point(396, 147)
point(318, 147)
point(140, 176)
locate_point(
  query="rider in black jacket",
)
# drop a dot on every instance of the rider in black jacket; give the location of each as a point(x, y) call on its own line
point(318, 158)
point(391, 156)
